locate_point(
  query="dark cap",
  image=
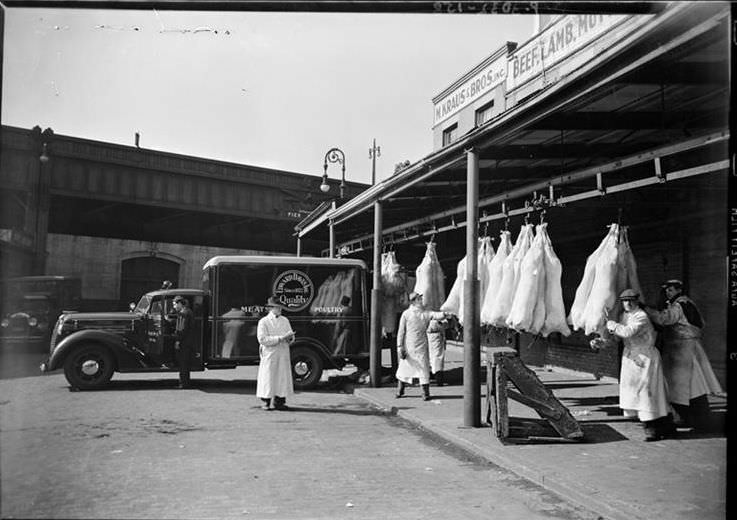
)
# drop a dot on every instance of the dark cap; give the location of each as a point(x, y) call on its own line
point(413, 296)
point(180, 299)
point(672, 283)
point(629, 294)
point(273, 302)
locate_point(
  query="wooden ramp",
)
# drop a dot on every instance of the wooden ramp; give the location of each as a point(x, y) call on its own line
point(503, 366)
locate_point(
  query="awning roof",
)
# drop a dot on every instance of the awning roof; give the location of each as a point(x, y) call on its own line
point(654, 106)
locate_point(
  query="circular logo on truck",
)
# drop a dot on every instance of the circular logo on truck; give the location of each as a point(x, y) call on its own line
point(294, 290)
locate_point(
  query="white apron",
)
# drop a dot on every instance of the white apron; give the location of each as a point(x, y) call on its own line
point(642, 389)
point(436, 344)
point(685, 365)
point(412, 334)
point(275, 368)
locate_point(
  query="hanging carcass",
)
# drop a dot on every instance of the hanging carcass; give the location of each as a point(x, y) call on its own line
point(430, 279)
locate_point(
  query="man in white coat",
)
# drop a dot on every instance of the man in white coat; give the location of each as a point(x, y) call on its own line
point(275, 334)
point(413, 347)
point(642, 390)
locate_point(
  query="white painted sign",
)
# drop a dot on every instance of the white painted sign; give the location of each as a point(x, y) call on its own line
point(566, 36)
point(481, 83)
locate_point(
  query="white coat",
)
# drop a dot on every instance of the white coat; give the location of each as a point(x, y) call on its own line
point(412, 335)
point(641, 382)
point(275, 368)
point(685, 365)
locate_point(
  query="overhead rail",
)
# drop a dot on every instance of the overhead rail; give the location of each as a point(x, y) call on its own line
point(411, 230)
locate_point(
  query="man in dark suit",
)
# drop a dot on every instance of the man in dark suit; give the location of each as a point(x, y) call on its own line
point(184, 337)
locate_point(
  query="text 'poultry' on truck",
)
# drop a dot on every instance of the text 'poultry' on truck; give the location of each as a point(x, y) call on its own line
point(324, 299)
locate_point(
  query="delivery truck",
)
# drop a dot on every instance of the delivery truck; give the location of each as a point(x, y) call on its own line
point(324, 299)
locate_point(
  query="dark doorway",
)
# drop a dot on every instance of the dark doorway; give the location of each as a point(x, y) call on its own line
point(143, 274)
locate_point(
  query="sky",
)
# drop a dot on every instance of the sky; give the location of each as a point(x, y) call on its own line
point(275, 90)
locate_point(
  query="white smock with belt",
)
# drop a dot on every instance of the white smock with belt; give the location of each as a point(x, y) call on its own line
point(275, 368)
point(686, 367)
point(642, 389)
point(412, 334)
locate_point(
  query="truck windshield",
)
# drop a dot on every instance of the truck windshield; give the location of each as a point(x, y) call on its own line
point(143, 304)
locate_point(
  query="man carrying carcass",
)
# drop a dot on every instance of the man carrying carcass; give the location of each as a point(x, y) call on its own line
point(687, 370)
point(641, 381)
point(412, 345)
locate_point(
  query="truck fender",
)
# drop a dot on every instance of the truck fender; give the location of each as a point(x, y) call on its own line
point(117, 345)
point(320, 348)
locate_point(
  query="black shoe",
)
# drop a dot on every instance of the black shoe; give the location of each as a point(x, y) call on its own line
point(266, 407)
point(652, 432)
point(426, 392)
point(281, 406)
point(400, 389)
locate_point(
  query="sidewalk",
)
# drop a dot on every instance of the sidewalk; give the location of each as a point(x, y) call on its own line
point(612, 471)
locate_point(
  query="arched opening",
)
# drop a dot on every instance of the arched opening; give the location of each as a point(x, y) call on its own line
point(145, 273)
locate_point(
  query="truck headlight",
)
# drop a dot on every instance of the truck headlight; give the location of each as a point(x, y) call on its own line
point(32, 322)
point(5, 322)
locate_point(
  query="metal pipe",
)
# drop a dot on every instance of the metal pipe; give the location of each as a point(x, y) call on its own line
point(471, 307)
point(299, 247)
point(375, 341)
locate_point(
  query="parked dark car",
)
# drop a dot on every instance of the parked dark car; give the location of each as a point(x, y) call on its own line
point(30, 305)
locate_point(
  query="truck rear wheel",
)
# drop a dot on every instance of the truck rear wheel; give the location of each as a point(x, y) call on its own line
point(89, 367)
point(307, 366)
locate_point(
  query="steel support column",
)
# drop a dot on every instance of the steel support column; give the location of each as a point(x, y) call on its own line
point(471, 304)
point(299, 246)
point(375, 345)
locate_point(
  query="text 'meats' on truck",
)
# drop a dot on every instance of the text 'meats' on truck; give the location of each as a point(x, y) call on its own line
point(324, 299)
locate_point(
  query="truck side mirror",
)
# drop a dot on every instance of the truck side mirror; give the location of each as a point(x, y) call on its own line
point(132, 306)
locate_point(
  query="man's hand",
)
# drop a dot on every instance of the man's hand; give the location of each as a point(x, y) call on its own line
point(402, 353)
point(611, 325)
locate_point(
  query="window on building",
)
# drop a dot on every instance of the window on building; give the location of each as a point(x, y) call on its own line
point(450, 134)
point(484, 113)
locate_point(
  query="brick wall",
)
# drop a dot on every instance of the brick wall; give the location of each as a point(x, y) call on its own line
point(97, 261)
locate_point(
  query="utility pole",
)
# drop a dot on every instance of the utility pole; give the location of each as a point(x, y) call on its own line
point(374, 151)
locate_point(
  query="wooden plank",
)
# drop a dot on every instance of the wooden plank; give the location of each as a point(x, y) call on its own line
point(535, 392)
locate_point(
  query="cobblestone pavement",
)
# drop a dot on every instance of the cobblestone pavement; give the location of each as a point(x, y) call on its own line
point(144, 449)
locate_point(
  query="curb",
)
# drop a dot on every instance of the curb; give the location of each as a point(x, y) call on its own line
point(571, 491)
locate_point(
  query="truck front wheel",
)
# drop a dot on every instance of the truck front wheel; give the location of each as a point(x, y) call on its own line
point(307, 367)
point(89, 367)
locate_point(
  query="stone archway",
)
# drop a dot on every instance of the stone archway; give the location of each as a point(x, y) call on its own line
point(141, 274)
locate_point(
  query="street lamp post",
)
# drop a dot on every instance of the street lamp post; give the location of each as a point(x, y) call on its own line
point(334, 155)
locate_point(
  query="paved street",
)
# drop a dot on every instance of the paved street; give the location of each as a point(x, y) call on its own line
point(144, 449)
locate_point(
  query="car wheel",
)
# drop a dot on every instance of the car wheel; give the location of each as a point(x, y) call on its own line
point(89, 367)
point(307, 367)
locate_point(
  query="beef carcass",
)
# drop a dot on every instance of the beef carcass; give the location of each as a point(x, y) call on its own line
point(510, 276)
point(527, 294)
point(603, 289)
point(555, 314)
point(430, 280)
point(495, 276)
point(393, 284)
point(454, 302)
point(575, 316)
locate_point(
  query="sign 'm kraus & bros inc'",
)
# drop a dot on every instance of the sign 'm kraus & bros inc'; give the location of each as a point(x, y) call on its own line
point(481, 82)
point(294, 290)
